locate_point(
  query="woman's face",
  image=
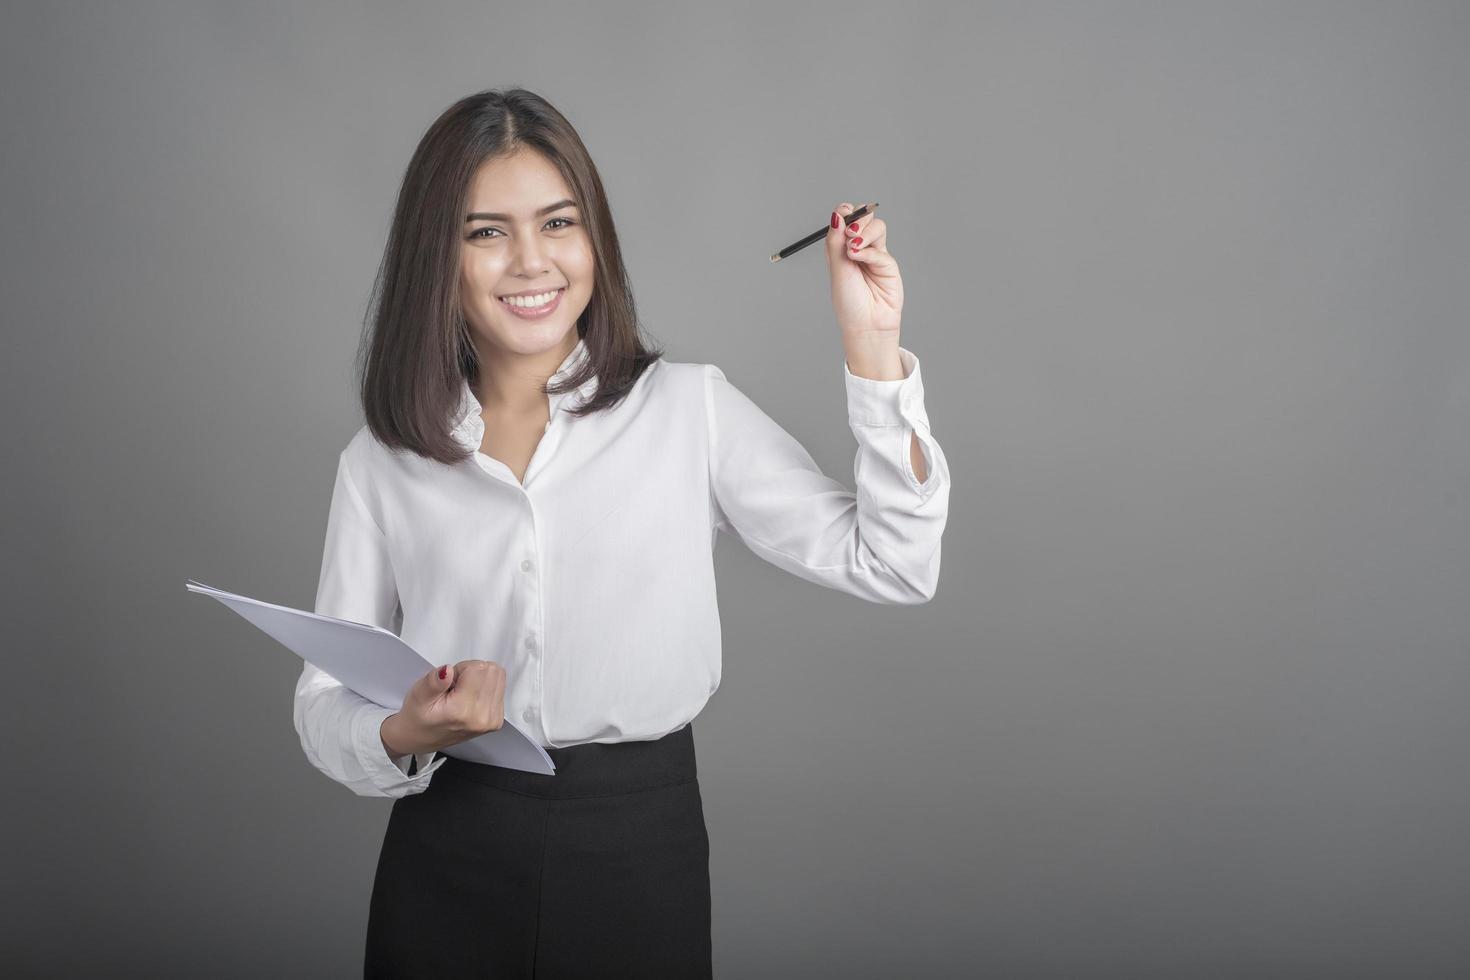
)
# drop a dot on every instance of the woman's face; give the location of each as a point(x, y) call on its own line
point(523, 250)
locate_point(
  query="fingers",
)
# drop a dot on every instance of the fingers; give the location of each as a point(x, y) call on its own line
point(492, 699)
point(871, 233)
point(480, 677)
point(481, 685)
point(835, 234)
point(858, 226)
point(857, 235)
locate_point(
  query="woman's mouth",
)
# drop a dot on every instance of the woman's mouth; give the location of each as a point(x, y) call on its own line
point(547, 307)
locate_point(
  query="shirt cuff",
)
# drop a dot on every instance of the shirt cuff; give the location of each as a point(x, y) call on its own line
point(374, 758)
point(872, 402)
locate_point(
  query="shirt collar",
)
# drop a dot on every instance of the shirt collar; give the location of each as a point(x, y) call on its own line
point(469, 428)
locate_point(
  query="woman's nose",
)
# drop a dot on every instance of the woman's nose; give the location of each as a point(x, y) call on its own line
point(531, 253)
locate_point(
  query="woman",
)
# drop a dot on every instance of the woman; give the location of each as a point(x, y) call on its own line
point(532, 503)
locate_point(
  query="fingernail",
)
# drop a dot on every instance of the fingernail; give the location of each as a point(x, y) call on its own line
point(852, 227)
point(835, 222)
point(856, 242)
point(443, 671)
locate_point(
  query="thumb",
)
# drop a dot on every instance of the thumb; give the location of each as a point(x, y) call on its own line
point(441, 679)
point(836, 236)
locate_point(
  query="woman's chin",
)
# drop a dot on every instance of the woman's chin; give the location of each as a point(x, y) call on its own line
point(520, 337)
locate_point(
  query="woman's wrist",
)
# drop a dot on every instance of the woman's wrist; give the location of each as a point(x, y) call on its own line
point(874, 356)
point(392, 738)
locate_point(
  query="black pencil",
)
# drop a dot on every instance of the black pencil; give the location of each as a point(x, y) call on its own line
point(820, 233)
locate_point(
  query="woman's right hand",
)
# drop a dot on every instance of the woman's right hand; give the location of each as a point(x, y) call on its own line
point(469, 700)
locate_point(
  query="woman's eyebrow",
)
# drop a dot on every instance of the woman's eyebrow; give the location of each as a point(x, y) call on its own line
point(488, 216)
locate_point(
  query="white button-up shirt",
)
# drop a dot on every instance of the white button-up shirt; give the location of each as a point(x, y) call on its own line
point(591, 581)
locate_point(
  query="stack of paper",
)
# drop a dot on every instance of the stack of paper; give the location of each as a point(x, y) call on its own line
point(378, 665)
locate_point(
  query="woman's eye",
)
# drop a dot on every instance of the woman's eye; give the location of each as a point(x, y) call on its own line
point(479, 233)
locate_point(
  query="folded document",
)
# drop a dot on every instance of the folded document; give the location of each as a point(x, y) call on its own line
point(378, 665)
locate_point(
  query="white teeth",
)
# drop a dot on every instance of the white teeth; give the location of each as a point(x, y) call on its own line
point(530, 302)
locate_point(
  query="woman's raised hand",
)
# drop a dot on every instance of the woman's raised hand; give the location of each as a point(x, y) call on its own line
point(867, 291)
point(438, 711)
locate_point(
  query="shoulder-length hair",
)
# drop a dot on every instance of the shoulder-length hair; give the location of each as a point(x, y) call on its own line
point(416, 353)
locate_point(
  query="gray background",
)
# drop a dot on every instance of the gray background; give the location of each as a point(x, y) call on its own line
point(1188, 283)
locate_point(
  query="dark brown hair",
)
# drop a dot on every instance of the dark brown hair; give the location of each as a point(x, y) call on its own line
point(416, 349)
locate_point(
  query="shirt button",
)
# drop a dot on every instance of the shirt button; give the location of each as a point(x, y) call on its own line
point(525, 564)
point(530, 714)
point(530, 643)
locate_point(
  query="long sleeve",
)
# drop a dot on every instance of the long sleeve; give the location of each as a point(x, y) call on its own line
point(339, 728)
point(881, 543)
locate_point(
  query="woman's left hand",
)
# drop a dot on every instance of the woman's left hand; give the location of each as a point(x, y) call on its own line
point(867, 292)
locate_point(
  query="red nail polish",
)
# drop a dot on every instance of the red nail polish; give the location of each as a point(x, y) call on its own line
point(852, 227)
point(856, 242)
point(443, 671)
point(835, 222)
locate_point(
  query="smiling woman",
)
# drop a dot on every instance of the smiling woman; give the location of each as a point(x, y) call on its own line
point(533, 506)
point(501, 204)
point(502, 301)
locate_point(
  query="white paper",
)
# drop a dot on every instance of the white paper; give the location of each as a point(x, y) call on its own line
point(378, 665)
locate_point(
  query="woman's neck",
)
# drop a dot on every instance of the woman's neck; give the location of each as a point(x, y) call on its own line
point(512, 386)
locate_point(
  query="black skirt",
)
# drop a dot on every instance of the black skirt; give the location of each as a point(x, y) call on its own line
point(601, 870)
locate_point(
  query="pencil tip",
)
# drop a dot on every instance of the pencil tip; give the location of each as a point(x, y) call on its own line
point(776, 257)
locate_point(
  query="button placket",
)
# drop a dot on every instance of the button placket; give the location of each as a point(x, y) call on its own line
point(532, 714)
